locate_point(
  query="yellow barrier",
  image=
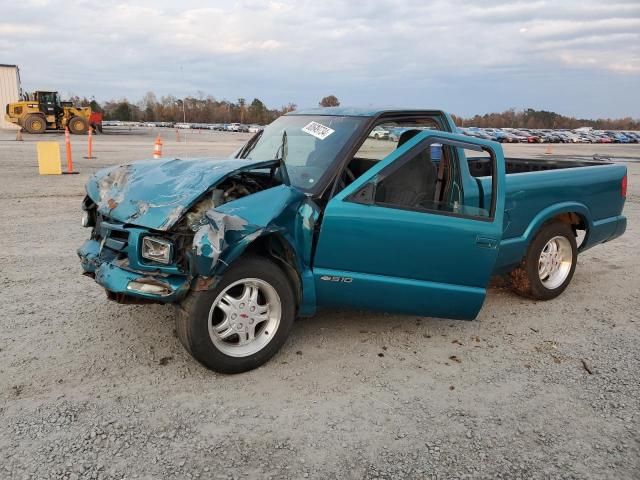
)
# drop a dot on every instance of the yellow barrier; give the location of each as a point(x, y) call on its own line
point(49, 158)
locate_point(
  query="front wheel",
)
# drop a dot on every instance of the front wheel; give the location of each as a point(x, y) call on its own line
point(35, 124)
point(549, 264)
point(78, 125)
point(242, 322)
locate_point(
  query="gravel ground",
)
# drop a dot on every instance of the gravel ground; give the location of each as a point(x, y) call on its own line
point(92, 389)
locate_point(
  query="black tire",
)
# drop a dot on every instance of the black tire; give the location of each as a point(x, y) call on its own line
point(78, 125)
point(35, 124)
point(192, 320)
point(525, 279)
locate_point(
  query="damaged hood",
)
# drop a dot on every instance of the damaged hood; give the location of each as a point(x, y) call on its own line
point(156, 193)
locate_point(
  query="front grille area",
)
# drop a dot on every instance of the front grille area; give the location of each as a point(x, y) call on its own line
point(115, 238)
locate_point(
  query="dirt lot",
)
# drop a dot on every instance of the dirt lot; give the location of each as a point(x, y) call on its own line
point(92, 389)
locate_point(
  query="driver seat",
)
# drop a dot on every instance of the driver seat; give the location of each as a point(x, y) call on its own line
point(413, 183)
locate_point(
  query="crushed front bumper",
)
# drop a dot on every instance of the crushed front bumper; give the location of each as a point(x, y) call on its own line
point(127, 285)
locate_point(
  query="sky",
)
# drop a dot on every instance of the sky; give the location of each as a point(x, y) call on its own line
point(575, 57)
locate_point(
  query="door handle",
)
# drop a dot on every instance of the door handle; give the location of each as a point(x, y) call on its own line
point(486, 242)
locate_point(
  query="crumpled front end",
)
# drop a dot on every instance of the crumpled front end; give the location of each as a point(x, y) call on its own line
point(214, 227)
point(112, 257)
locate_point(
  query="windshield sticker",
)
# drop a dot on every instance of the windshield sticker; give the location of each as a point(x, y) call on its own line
point(317, 130)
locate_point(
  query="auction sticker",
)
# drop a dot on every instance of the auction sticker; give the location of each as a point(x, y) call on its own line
point(317, 130)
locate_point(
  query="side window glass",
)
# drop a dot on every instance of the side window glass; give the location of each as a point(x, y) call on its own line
point(377, 145)
point(381, 141)
point(384, 138)
point(429, 179)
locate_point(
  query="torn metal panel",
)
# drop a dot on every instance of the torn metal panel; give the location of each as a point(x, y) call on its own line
point(89, 254)
point(213, 238)
point(204, 283)
point(156, 194)
point(117, 280)
point(232, 227)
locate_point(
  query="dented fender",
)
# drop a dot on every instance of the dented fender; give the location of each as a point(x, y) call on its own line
point(232, 227)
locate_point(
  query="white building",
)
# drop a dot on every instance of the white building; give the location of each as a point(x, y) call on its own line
point(9, 91)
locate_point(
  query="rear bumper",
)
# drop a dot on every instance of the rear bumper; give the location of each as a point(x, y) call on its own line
point(620, 228)
point(126, 285)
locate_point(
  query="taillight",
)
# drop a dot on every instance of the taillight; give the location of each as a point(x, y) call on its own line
point(623, 187)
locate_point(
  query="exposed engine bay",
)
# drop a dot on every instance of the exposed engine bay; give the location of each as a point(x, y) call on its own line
point(230, 189)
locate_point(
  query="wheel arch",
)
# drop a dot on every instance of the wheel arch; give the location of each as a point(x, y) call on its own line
point(22, 120)
point(270, 245)
point(276, 247)
point(577, 215)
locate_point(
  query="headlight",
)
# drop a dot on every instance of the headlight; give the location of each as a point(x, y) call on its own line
point(157, 250)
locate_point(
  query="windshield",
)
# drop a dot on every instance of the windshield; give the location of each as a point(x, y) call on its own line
point(307, 144)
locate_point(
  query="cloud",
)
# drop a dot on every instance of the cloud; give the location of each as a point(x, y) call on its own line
point(15, 29)
point(412, 52)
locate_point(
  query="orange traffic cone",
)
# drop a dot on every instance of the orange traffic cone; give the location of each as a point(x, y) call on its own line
point(157, 149)
point(19, 135)
point(67, 144)
point(548, 150)
point(90, 143)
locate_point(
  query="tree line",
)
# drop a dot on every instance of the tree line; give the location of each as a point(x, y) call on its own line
point(531, 118)
point(207, 109)
point(191, 109)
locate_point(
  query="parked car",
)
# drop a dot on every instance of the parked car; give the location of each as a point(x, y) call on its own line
point(602, 138)
point(477, 133)
point(396, 132)
point(528, 135)
point(517, 137)
point(237, 127)
point(379, 133)
point(498, 135)
point(634, 136)
point(296, 222)
point(619, 137)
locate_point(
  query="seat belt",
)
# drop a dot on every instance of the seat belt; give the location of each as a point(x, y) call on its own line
point(440, 179)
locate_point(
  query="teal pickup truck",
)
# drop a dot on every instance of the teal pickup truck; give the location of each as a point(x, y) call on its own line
point(314, 212)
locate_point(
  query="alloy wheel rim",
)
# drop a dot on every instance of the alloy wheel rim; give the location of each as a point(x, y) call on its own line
point(244, 317)
point(555, 262)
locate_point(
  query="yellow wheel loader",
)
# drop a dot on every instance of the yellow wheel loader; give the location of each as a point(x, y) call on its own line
point(39, 111)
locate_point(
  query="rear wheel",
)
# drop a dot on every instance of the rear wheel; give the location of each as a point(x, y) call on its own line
point(549, 264)
point(78, 125)
point(243, 321)
point(35, 124)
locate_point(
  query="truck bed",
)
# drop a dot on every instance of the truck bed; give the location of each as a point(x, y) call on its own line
point(535, 187)
point(480, 167)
